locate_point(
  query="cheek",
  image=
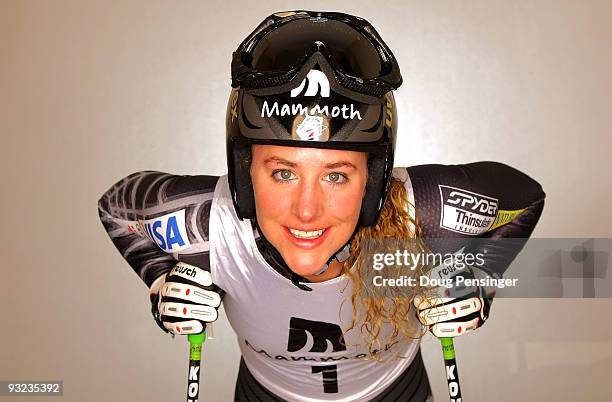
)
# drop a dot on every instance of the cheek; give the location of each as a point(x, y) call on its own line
point(346, 205)
point(270, 201)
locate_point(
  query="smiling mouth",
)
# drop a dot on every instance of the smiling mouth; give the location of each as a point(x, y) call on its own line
point(311, 234)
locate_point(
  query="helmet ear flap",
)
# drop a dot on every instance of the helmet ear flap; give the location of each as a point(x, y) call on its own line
point(372, 203)
point(242, 186)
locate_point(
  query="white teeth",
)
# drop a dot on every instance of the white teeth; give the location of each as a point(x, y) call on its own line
point(306, 235)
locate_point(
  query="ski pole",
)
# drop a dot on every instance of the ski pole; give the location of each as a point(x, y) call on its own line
point(195, 354)
point(452, 375)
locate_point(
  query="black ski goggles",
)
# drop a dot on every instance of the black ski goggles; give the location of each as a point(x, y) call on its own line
point(273, 54)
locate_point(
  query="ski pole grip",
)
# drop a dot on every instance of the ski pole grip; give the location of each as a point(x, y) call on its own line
point(195, 345)
point(448, 348)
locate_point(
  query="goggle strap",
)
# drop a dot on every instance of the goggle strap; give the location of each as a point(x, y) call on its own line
point(263, 82)
point(377, 91)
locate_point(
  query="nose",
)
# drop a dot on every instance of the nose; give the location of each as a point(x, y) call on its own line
point(308, 200)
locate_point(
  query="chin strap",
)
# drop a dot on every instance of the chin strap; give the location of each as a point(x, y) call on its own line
point(340, 256)
point(296, 279)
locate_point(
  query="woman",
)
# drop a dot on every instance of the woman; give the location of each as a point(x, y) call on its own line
point(311, 129)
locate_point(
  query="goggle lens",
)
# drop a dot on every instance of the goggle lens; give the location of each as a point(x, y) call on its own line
point(288, 46)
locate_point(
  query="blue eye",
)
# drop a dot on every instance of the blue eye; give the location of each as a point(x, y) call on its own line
point(337, 178)
point(283, 175)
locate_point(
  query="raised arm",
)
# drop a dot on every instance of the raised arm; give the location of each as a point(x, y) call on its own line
point(156, 219)
point(485, 209)
point(484, 200)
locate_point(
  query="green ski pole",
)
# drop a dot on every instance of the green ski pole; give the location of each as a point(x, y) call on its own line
point(195, 354)
point(452, 375)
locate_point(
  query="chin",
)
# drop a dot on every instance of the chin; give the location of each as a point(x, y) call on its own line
point(306, 266)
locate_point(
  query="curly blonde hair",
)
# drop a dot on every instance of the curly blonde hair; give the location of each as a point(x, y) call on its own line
point(372, 309)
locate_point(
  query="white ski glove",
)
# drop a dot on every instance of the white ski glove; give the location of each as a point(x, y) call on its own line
point(455, 311)
point(184, 300)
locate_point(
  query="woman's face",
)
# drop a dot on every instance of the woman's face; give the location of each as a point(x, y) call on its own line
point(307, 201)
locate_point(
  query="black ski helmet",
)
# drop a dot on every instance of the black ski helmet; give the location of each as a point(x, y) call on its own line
point(313, 79)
